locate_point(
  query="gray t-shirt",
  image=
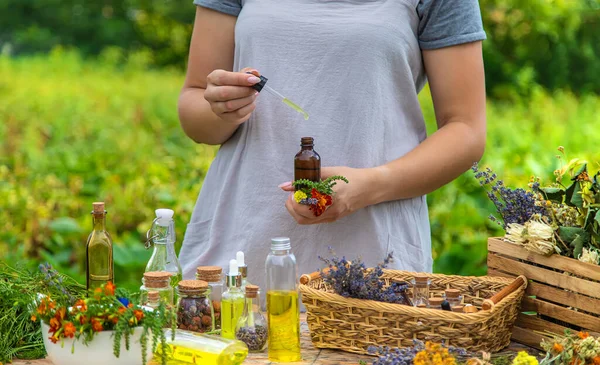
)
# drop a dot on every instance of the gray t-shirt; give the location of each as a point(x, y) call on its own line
point(355, 66)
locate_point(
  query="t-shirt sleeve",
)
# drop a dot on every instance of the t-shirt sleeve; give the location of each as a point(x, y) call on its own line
point(231, 7)
point(444, 23)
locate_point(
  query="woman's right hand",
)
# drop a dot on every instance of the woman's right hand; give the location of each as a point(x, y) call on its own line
point(230, 94)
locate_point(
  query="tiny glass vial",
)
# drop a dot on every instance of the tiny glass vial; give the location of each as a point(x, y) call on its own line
point(435, 303)
point(252, 325)
point(153, 299)
point(453, 297)
point(213, 275)
point(420, 285)
point(307, 162)
point(159, 281)
point(194, 307)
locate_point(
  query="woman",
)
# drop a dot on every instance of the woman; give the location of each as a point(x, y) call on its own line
point(356, 67)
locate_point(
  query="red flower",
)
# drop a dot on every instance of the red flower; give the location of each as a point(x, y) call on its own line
point(323, 201)
point(97, 325)
point(53, 338)
point(69, 329)
point(83, 319)
point(54, 324)
point(109, 288)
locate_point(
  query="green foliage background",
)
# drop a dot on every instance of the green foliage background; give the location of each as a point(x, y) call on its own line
point(97, 120)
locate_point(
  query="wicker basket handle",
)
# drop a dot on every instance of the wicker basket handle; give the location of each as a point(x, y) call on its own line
point(307, 278)
point(489, 304)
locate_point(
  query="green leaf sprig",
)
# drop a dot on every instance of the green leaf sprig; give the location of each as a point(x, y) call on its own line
point(323, 186)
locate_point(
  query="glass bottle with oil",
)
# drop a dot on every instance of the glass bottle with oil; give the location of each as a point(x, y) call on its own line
point(283, 312)
point(232, 302)
point(201, 349)
point(307, 162)
point(99, 251)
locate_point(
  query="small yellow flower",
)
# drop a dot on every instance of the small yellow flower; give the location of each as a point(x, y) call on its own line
point(299, 196)
point(561, 149)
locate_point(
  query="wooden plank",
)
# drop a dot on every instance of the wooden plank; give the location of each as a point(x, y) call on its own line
point(534, 323)
point(492, 272)
point(546, 276)
point(555, 261)
point(561, 296)
point(563, 314)
point(527, 337)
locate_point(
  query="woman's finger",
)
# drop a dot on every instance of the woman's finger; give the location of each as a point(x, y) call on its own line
point(241, 114)
point(223, 78)
point(226, 93)
point(229, 106)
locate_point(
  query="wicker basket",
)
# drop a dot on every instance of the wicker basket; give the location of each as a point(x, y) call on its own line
point(352, 325)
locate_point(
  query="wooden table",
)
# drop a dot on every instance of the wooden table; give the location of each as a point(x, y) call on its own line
point(310, 354)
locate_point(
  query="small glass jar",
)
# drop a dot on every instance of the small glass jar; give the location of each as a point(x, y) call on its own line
point(153, 299)
point(252, 326)
point(453, 297)
point(213, 275)
point(435, 303)
point(420, 285)
point(458, 308)
point(159, 281)
point(194, 307)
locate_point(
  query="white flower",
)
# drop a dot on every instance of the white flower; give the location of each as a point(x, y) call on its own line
point(590, 256)
point(535, 235)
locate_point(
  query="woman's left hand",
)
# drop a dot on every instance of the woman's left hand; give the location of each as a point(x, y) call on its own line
point(347, 198)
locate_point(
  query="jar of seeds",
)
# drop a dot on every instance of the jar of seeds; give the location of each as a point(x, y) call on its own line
point(213, 275)
point(194, 308)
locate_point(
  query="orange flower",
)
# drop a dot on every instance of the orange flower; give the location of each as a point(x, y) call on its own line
point(109, 288)
point(60, 313)
point(583, 335)
point(122, 310)
point(54, 324)
point(96, 325)
point(596, 360)
point(69, 329)
point(558, 348)
point(54, 338)
point(83, 319)
point(323, 201)
point(130, 305)
point(80, 305)
point(138, 314)
point(33, 319)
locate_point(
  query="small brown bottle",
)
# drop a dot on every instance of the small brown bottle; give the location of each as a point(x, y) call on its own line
point(307, 162)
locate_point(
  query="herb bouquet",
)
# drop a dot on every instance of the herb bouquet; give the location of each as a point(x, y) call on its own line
point(561, 218)
point(91, 330)
point(317, 195)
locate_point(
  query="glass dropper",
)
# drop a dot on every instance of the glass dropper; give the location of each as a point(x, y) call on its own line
point(262, 86)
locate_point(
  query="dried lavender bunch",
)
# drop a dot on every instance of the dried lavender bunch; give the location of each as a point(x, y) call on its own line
point(513, 205)
point(405, 356)
point(351, 279)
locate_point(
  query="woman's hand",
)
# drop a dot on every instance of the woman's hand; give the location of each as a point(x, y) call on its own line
point(230, 94)
point(347, 198)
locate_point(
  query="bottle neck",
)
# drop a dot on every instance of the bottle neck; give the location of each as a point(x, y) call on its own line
point(99, 222)
point(281, 251)
point(306, 147)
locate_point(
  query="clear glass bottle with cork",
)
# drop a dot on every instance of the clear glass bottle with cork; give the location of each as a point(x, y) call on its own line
point(420, 285)
point(194, 307)
point(436, 303)
point(307, 162)
point(283, 307)
point(213, 275)
point(453, 297)
point(99, 250)
point(162, 236)
point(159, 281)
point(232, 302)
point(252, 326)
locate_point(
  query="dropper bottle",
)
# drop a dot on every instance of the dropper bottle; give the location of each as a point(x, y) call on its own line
point(243, 269)
point(232, 301)
point(261, 85)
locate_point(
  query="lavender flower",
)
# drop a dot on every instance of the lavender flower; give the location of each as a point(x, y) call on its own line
point(513, 205)
point(405, 356)
point(309, 201)
point(352, 280)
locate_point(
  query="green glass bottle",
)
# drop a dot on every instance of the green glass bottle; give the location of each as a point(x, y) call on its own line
point(99, 251)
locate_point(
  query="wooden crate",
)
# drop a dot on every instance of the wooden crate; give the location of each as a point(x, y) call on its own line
point(562, 292)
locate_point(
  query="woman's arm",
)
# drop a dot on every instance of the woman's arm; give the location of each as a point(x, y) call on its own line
point(214, 101)
point(457, 84)
point(456, 80)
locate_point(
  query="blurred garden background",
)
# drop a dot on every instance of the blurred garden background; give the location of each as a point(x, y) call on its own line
point(88, 94)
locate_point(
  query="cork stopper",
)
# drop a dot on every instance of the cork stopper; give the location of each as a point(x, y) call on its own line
point(422, 305)
point(470, 309)
point(209, 273)
point(153, 296)
point(452, 293)
point(157, 279)
point(435, 302)
point(421, 280)
point(251, 291)
point(98, 208)
point(192, 286)
point(458, 308)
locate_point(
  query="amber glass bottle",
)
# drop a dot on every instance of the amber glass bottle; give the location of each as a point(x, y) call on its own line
point(307, 162)
point(99, 251)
